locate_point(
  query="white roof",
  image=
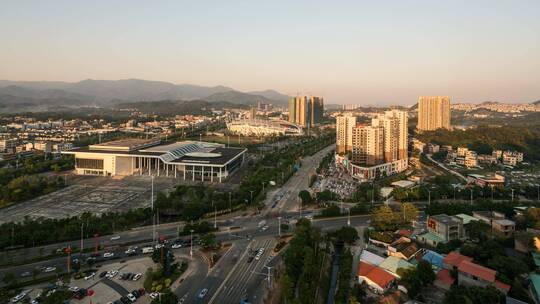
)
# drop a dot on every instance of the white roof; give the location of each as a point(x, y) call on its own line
point(371, 258)
point(403, 183)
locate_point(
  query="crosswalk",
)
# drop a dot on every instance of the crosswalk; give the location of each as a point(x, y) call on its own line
point(246, 276)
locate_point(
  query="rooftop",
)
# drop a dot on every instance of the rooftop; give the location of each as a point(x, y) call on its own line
point(392, 264)
point(443, 276)
point(445, 219)
point(375, 274)
point(371, 258)
point(466, 218)
point(477, 271)
point(127, 144)
point(455, 259)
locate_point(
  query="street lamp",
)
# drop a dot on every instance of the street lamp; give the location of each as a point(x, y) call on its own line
point(512, 194)
point(191, 246)
point(251, 196)
point(429, 197)
point(349, 217)
point(279, 226)
point(471, 195)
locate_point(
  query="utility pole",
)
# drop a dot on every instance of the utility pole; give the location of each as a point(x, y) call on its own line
point(215, 217)
point(82, 238)
point(512, 194)
point(279, 226)
point(268, 276)
point(471, 196)
point(251, 201)
point(429, 197)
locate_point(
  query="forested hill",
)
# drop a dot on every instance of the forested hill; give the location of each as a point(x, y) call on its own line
point(483, 139)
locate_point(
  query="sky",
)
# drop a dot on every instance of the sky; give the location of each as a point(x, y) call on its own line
point(351, 52)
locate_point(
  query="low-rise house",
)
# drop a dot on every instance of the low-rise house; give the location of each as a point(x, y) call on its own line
point(503, 228)
point(377, 279)
point(394, 264)
point(403, 250)
point(500, 226)
point(471, 274)
point(444, 279)
point(441, 229)
point(371, 258)
point(495, 180)
point(432, 257)
point(534, 287)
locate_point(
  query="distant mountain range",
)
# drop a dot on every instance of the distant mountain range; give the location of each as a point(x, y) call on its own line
point(18, 96)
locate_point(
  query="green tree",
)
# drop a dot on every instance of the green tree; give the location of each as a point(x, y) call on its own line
point(305, 196)
point(209, 241)
point(383, 218)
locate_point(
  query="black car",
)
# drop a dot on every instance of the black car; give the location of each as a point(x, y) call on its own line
point(102, 274)
point(136, 293)
point(125, 300)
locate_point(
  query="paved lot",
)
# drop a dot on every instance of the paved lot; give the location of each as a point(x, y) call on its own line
point(109, 290)
point(89, 194)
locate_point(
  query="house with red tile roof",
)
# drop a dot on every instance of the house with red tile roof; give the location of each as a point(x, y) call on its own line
point(472, 274)
point(469, 273)
point(453, 259)
point(377, 279)
point(444, 279)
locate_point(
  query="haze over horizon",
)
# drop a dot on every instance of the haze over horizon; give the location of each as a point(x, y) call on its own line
point(347, 52)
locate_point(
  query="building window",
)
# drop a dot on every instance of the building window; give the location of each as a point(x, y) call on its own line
point(89, 163)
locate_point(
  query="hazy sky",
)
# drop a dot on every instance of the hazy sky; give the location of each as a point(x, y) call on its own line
point(367, 52)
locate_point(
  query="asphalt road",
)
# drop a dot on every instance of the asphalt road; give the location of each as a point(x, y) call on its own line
point(233, 277)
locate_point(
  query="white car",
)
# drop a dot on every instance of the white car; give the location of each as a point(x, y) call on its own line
point(153, 295)
point(131, 298)
point(114, 238)
point(111, 274)
point(108, 254)
point(88, 277)
point(49, 269)
point(73, 288)
point(176, 246)
point(18, 297)
point(137, 276)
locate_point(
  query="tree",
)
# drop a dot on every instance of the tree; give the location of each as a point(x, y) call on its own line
point(348, 235)
point(477, 230)
point(417, 278)
point(409, 212)
point(305, 196)
point(383, 218)
point(331, 211)
point(208, 241)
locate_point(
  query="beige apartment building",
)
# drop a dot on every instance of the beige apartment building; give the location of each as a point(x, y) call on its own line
point(344, 132)
point(433, 113)
point(368, 145)
point(306, 111)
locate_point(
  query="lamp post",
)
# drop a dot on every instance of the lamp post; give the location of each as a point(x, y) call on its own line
point(512, 194)
point(471, 195)
point(349, 217)
point(191, 246)
point(82, 237)
point(279, 226)
point(251, 197)
point(429, 197)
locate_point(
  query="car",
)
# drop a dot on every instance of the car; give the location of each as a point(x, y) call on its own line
point(103, 274)
point(18, 297)
point(74, 288)
point(153, 295)
point(142, 291)
point(137, 276)
point(176, 245)
point(135, 293)
point(250, 259)
point(34, 301)
point(108, 254)
point(88, 277)
point(183, 299)
point(25, 274)
point(125, 300)
point(49, 269)
point(264, 228)
point(203, 293)
point(111, 273)
point(114, 238)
